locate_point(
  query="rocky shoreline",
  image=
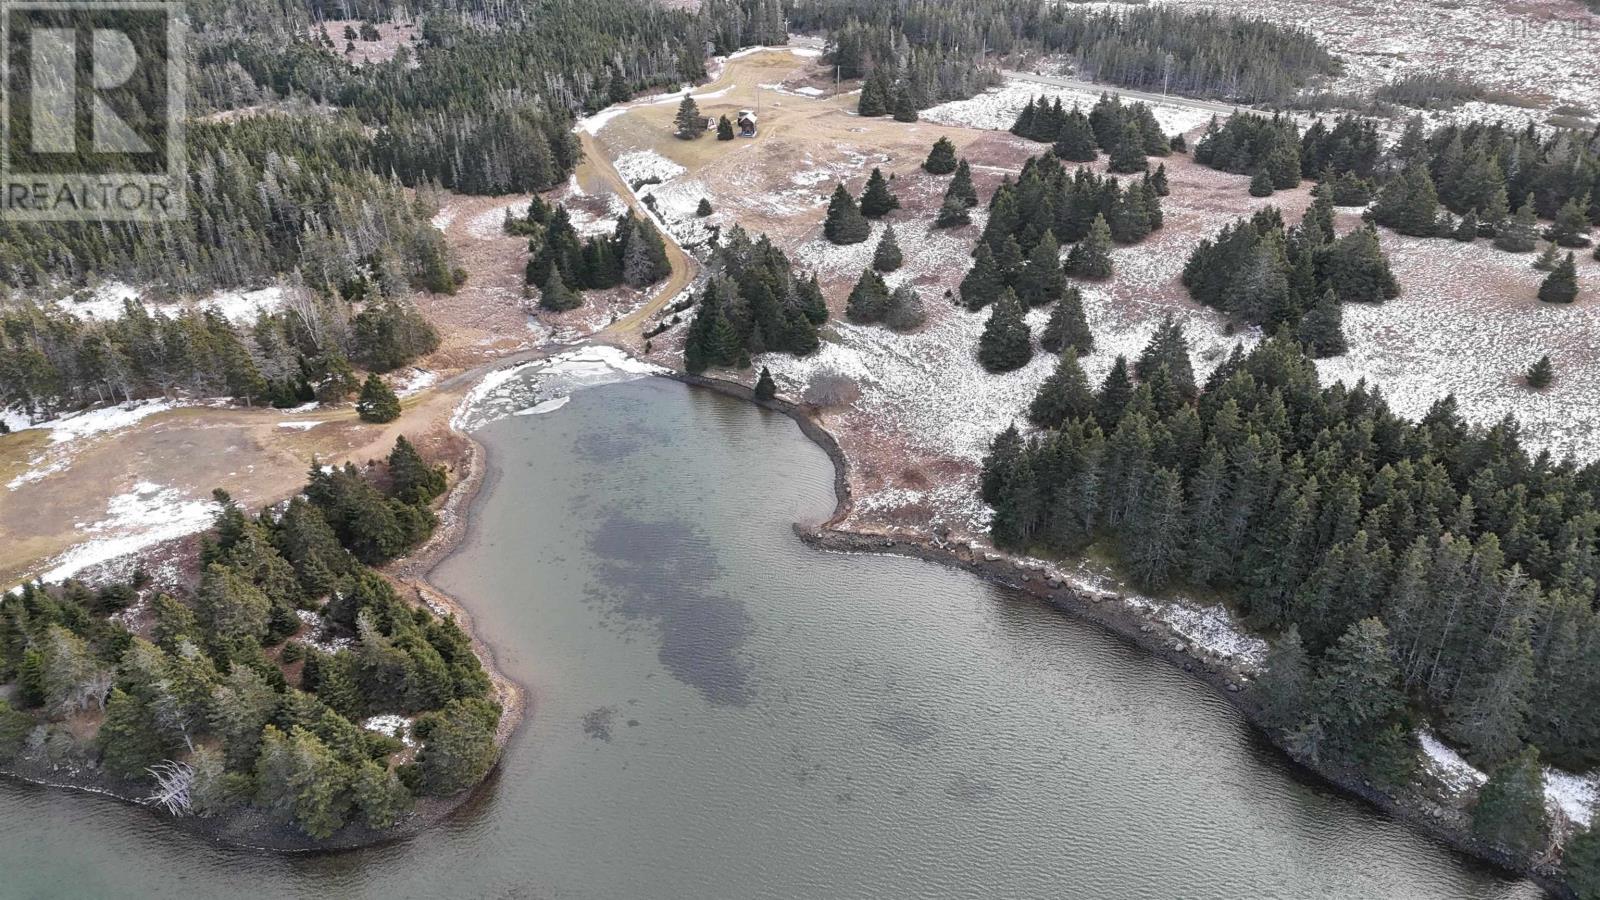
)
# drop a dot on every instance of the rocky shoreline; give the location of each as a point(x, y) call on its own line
point(1445, 824)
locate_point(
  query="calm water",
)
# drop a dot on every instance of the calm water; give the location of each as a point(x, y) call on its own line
point(721, 711)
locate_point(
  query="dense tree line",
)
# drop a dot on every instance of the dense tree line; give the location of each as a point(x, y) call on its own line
point(753, 303)
point(52, 361)
point(1127, 134)
point(1045, 207)
point(1497, 181)
point(267, 195)
point(900, 75)
point(1204, 54)
point(560, 263)
point(1274, 277)
point(1401, 565)
point(223, 698)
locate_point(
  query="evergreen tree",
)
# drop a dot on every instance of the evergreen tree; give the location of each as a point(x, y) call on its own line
point(1285, 686)
point(1321, 329)
point(905, 106)
point(1571, 228)
point(845, 224)
point(1509, 812)
point(724, 128)
point(1261, 184)
point(413, 480)
point(555, 296)
point(1155, 533)
point(766, 388)
point(704, 209)
point(1091, 257)
point(1357, 270)
point(869, 300)
point(1075, 142)
point(1357, 689)
point(1067, 326)
point(1006, 343)
point(1548, 260)
point(688, 122)
point(1581, 863)
point(983, 282)
point(1541, 374)
point(378, 403)
point(941, 159)
point(876, 94)
point(1041, 280)
point(1128, 153)
point(130, 743)
point(1561, 285)
point(1116, 392)
point(887, 257)
point(906, 311)
point(953, 213)
point(1158, 181)
point(1064, 396)
point(1467, 229)
point(458, 746)
point(961, 186)
point(1168, 349)
point(876, 199)
point(1409, 204)
point(1521, 233)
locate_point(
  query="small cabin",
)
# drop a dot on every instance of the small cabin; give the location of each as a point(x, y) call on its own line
point(747, 123)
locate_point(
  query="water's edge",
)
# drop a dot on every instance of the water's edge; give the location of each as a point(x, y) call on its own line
point(1444, 825)
point(250, 829)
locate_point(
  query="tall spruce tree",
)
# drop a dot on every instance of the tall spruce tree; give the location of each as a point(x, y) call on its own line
point(689, 124)
point(845, 224)
point(941, 159)
point(378, 402)
point(1510, 809)
point(1064, 396)
point(1091, 257)
point(1006, 342)
point(876, 200)
point(983, 282)
point(1067, 326)
point(1561, 285)
point(887, 256)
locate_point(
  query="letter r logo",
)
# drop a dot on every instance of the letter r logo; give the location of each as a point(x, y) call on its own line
point(55, 91)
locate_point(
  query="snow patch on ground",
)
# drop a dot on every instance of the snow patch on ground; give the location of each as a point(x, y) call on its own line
point(997, 108)
point(1574, 796)
point(106, 303)
point(415, 381)
point(509, 391)
point(147, 515)
point(642, 165)
point(1445, 764)
point(73, 426)
point(393, 725)
point(299, 426)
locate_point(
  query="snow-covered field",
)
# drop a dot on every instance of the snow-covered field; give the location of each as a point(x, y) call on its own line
point(1468, 323)
point(74, 426)
point(997, 108)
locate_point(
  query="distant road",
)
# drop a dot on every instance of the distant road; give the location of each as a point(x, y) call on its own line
point(1093, 88)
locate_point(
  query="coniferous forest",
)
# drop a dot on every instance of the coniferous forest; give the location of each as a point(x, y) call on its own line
point(1439, 565)
point(754, 302)
point(266, 670)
